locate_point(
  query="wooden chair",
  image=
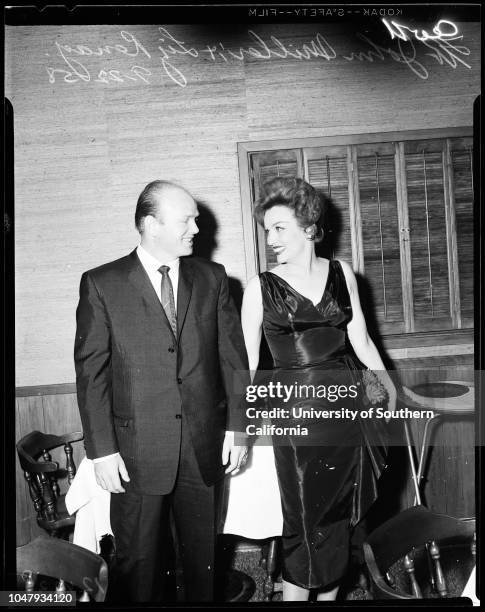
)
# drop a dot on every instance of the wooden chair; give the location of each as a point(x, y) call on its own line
point(73, 565)
point(41, 474)
point(415, 542)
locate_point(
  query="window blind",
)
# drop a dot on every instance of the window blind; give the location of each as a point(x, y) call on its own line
point(380, 234)
point(425, 183)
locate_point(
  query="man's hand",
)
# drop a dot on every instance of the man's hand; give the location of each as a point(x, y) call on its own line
point(235, 455)
point(108, 474)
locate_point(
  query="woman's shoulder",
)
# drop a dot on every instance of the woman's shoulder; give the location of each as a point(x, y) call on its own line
point(346, 267)
point(347, 271)
point(260, 284)
point(269, 276)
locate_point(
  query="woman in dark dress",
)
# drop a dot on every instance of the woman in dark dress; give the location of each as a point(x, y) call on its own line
point(309, 309)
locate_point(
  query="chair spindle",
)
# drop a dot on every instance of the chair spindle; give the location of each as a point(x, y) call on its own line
point(47, 496)
point(29, 581)
point(70, 465)
point(35, 494)
point(410, 569)
point(268, 586)
point(84, 597)
point(440, 583)
point(52, 479)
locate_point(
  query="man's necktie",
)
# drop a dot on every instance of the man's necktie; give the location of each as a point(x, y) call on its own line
point(168, 301)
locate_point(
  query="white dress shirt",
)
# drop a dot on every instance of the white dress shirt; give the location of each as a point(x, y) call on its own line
point(151, 265)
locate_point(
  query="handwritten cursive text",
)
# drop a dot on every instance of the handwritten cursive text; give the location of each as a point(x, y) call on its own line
point(173, 56)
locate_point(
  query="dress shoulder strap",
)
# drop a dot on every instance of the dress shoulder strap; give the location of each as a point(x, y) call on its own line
point(265, 281)
point(340, 289)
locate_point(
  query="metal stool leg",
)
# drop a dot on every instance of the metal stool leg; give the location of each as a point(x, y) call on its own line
point(411, 463)
point(422, 454)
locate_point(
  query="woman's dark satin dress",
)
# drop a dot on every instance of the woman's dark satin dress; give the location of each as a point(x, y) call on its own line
point(326, 480)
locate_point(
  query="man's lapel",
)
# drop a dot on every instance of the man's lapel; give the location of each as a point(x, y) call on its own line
point(184, 292)
point(139, 279)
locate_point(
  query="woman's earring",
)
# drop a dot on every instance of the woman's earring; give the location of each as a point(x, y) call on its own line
point(319, 235)
point(310, 234)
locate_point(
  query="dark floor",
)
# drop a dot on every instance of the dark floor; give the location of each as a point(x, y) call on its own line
point(248, 559)
point(245, 557)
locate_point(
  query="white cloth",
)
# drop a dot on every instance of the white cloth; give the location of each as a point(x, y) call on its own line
point(252, 497)
point(252, 501)
point(91, 503)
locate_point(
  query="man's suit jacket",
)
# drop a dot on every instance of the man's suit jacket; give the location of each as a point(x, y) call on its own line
point(134, 379)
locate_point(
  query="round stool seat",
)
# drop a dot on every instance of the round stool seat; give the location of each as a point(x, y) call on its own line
point(444, 397)
point(441, 389)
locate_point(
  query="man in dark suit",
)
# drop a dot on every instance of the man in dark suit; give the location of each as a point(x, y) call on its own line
point(157, 343)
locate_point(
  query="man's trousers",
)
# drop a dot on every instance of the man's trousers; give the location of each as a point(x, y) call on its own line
point(141, 527)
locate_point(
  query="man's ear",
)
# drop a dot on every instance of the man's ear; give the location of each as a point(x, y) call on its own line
point(149, 223)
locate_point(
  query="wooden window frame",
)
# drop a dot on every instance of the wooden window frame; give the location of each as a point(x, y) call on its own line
point(254, 235)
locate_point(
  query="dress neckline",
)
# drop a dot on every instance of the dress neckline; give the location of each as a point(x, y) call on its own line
point(330, 267)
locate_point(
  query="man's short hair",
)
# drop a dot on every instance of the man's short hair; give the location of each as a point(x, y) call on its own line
point(147, 203)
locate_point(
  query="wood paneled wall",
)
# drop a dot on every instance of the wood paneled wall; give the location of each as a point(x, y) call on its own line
point(449, 485)
point(85, 148)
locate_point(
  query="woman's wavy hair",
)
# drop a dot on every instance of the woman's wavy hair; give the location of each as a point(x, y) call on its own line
point(308, 206)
